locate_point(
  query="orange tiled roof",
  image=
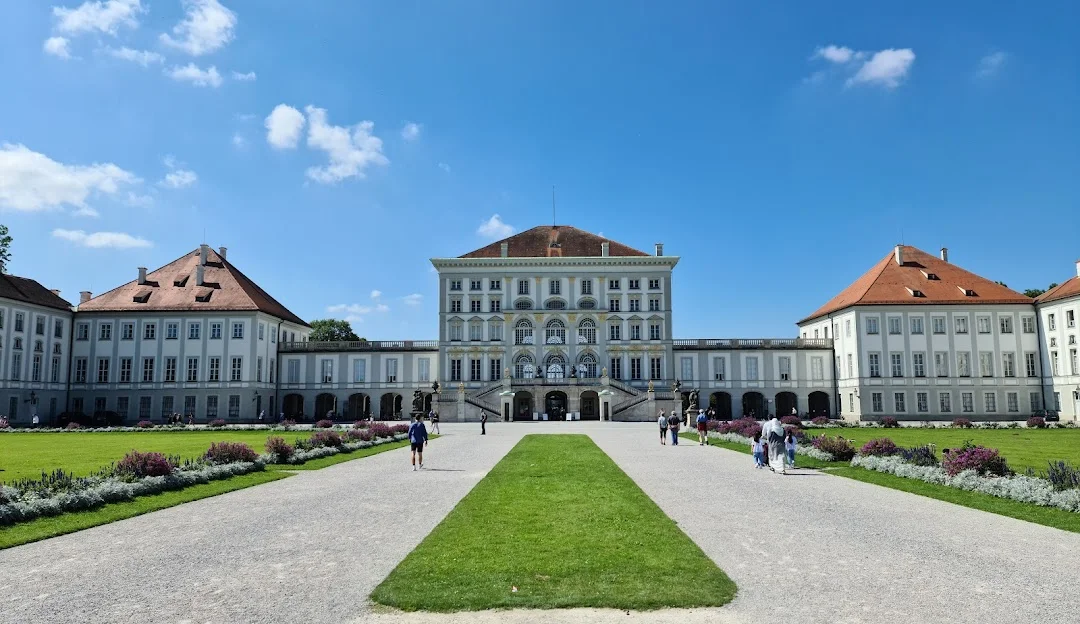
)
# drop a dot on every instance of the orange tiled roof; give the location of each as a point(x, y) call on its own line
point(888, 283)
point(174, 287)
point(1069, 288)
point(546, 241)
point(30, 291)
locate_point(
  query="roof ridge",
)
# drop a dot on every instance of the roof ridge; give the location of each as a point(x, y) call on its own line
point(249, 282)
point(111, 290)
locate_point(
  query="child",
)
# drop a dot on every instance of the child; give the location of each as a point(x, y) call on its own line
point(758, 448)
point(789, 446)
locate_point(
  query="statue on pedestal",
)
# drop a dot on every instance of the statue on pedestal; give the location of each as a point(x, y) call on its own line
point(435, 387)
point(675, 386)
point(418, 401)
point(693, 400)
point(650, 385)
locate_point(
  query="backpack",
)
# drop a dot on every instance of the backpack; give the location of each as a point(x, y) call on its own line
point(701, 418)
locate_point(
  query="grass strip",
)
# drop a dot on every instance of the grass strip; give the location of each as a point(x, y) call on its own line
point(558, 520)
point(43, 528)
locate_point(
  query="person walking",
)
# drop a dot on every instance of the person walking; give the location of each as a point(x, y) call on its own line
point(662, 421)
point(483, 422)
point(418, 440)
point(789, 446)
point(758, 449)
point(434, 418)
point(773, 431)
point(673, 426)
point(702, 428)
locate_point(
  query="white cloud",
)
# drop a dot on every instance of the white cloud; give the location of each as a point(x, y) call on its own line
point(238, 141)
point(170, 161)
point(495, 228)
point(248, 77)
point(375, 294)
point(413, 300)
point(196, 76)
point(101, 240)
point(178, 179)
point(835, 54)
point(355, 312)
point(411, 131)
point(990, 64)
point(382, 307)
point(886, 68)
point(85, 211)
point(142, 57)
point(58, 47)
point(206, 27)
point(104, 16)
point(445, 167)
point(245, 117)
point(139, 201)
point(30, 181)
point(351, 150)
point(283, 126)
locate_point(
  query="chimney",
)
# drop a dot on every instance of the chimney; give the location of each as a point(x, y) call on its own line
point(221, 251)
point(659, 249)
point(945, 254)
point(504, 250)
point(55, 291)
point(142, 275)
point(899, 253)
point(204, 250)
point(1078, 268)
point(199, 275)
point(604, 248)
point(84, 296)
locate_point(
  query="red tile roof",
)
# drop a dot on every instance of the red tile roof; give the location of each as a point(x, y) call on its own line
point(888, 283)
point(546, 241)
point(173, 287)
point(29, 291)
point(1070, 288)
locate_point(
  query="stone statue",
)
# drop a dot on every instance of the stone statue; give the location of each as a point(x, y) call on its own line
point(650, 385)
point(675, 386)
point(417, 401)
point(694, 400)
point(506, 372)
point(435, 387)
point(573, 372)
point(603, 372)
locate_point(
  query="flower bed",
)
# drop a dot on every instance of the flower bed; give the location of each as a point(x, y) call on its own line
point(304, 450)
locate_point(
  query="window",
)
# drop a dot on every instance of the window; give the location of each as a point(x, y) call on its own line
point(495, 284)
point(474, 369)
point(719, 365)
point(166, 406)
point(327, 370)
point(815, 334)
point(1036, 401)
point(614, 305)
point(1029, 364)
point(1008, 364)
point(851, 401)
point(215, 330)
point(58, 329)
point(939, 324)
point(615, 331)
point(18, 321)
point(616, 367)
point(293, 371)
point(847, 328)
point(523, 332)
point(587, 332)
point(523, 304)
point(635, 304)
point(986, 364)
point(495, 330)
point(149, 331)
point(273, 337)
point(916, 325)
point(895, 325)
point(455, 369)
point(633, 284)
point(586, 287)
point(1051, 321)
point(144, 407)
point(635, 331)
point(272, 370)
point(983, 324)
point(236, 369)
point(1072, 362)
point(82, 331)
point(897, 362)
point(1070, 318)
point(784, 364)
point(476, 331)
point(35, 368)
point(192, 369)
point(261, 327)
point(752, 368)
point(234, 406)
point(898, 402)
point(961, 325)
point(1006, 324)
point(554, 287)
point(1012, 402)
point(990, 400)
point(875, 364)
point(359, 371)
point(475, 284)
point(391, 370)
point(125, 370)
point(237, 330)
point(963, 364)
point(1055, 369)
point(103, 370)
point(475, 305)
point(945, 402)
point(1057, 401)
point(455, 284)
point(423, 369)
point(523, 287)
point(122, 407)
point(455, 305)
point(941, 363)
point(921, 402)
point(172, 331)
point(170, 370)
point(876, 403)
point(918, 361)
point(148, 370)
point(555, 332)
point(967, 402)
point(194, 330)
point(614, 284)
point(654, 331)
point(871, 325)
point(55, 378)
point(495, 305)
point(686, 367)
point(17, 344)
point(1028, 324)
point(654, 304)
point(654, 284)
point(850, 365)
point(215, 369)
point(635, 368)
point(104, 331)
point(655, 368)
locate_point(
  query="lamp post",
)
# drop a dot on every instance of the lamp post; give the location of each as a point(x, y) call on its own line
point(257, 400)
point(33, 405)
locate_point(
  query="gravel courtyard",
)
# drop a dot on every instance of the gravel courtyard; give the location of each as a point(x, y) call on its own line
point(806, 548)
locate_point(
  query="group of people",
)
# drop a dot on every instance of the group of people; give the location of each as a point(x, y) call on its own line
point(775, 444)
point(674, 422)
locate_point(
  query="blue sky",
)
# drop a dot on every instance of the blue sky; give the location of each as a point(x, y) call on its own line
point(779, 148)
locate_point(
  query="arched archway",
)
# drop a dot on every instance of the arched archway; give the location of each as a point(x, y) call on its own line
point(720, 402)
point(427, 402)
point(787, 404)
point(819, 404)
point(389, 406)
point(325, 403)
point(358, 407)
point(590, 405)
point(293, 406)
point(753, 405)
point(523, 405)
point(555, 405)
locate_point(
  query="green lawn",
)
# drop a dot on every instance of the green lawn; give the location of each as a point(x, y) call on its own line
point(1022, 447)
point(557, 519)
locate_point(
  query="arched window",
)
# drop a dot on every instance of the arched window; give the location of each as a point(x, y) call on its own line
point(555, 366)
point(586, 332)
point(524, 366)
point(587, 304)
point(523, 332)
point(56, 349)
point(523, 304)
point(555, 332)
point(555, 304)
point(18, 344)
point(39, 347)
point(587, 365)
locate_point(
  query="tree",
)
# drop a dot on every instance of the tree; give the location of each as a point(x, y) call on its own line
point(332, 330)
point(1002, 284)
point(5, 248)
point(1036, 292)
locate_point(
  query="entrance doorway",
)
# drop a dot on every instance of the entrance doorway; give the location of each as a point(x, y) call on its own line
point(555, 405)
point(786, 404)
point(753, 405)
point(819, 404)
point(523, 405)
point(720, 402)
point(590, 405)
point(293, 406)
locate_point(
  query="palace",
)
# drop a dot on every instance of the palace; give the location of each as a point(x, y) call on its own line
point(551, 323)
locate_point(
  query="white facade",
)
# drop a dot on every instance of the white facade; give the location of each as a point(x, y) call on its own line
point(1059, 324)
point(34, 359)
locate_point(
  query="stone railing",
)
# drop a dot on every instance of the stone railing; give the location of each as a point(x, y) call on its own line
point(359, 345)
point(753, 343)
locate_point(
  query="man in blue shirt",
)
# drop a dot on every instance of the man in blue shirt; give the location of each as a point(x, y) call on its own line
point(418, 439)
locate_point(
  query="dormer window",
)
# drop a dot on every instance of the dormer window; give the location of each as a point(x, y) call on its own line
point(915, 293)
point(181, 281)
point(141, 297)
point(930, 276)
point(967, 291)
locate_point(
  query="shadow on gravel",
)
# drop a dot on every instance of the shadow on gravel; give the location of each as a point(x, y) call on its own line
point(443, 470)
